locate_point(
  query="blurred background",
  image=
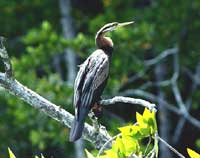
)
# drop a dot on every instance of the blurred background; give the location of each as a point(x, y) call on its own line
point(157, 59)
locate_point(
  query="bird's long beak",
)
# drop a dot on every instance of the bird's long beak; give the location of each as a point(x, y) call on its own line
point(125, 23)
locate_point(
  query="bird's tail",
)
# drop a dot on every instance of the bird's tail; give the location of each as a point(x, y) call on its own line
point(76, 130)
point(78, 124)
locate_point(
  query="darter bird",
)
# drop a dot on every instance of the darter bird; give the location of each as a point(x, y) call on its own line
point(91, 78)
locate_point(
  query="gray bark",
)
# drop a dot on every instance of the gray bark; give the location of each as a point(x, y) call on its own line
point(69, 33)
point(163, 113)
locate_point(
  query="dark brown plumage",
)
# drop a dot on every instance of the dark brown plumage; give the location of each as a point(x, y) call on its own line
point(91, 78)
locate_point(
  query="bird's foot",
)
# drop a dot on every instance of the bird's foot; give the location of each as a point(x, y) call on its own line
point(97, 109)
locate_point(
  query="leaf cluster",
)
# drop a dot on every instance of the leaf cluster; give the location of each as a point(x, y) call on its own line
point(131, 140)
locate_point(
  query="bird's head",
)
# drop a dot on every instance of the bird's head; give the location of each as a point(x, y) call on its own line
point(106, 41)
point(113, 26)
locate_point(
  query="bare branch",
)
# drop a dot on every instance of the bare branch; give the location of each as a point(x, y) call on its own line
point(188, 103)
point(5, 58)
point(107, 144)
point(52, 110)
point(170, 147)
point(129, 100)
point(151, 97)
point(163, 55)
point(149, 63)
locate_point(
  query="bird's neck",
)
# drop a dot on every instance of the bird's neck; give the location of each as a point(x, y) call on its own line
point(105, 43)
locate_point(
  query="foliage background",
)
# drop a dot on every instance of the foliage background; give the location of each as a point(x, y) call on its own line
point(35, 40)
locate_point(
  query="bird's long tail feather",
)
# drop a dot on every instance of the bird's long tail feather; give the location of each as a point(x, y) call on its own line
point(76, 130)
point(78, 125)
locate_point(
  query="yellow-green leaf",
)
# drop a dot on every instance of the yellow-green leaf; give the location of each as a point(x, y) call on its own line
point(126, 130)
point(148, 114)
point(11, 155)
point(118, 147)
point(131, 145)
point(88, 154)
point(149, 117)
point(111, 154)
point(136, 132)
point(192, 153)
point(103, 156)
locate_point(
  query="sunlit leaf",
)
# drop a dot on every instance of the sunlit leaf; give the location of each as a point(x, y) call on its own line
point(88, 154)
point(126, 130)
point(192, 153)
point(119, 147)
point(111, 154)
point(131, 145)
point(149, 117)
point(11, 155)
point(139, 118)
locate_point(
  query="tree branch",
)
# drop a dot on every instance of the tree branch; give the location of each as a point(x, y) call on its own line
point(52, 110)
point(129, 100)
point(5, 58)
point(188, 103)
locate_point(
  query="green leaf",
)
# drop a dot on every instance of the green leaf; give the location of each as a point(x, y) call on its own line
point(126, 130)
point(143, 125)
point(131, 145)
point(139, 118)
point(192, 153)
point(11, 155)
point(103, 156)
point(111, 154)
point(119, 148)
point(149, 117)
point(88, 154)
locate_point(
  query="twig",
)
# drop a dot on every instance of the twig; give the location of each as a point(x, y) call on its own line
point(188, 104)
point(163, 55)
point(149, 142)
point(151, 97)
point(170, 147)
point(128, 100)
point(108, 143)
point(155, 84)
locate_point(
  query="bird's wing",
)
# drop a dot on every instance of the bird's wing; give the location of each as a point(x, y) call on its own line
point(79, 81)
point(97, 74)
point(91, 75)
